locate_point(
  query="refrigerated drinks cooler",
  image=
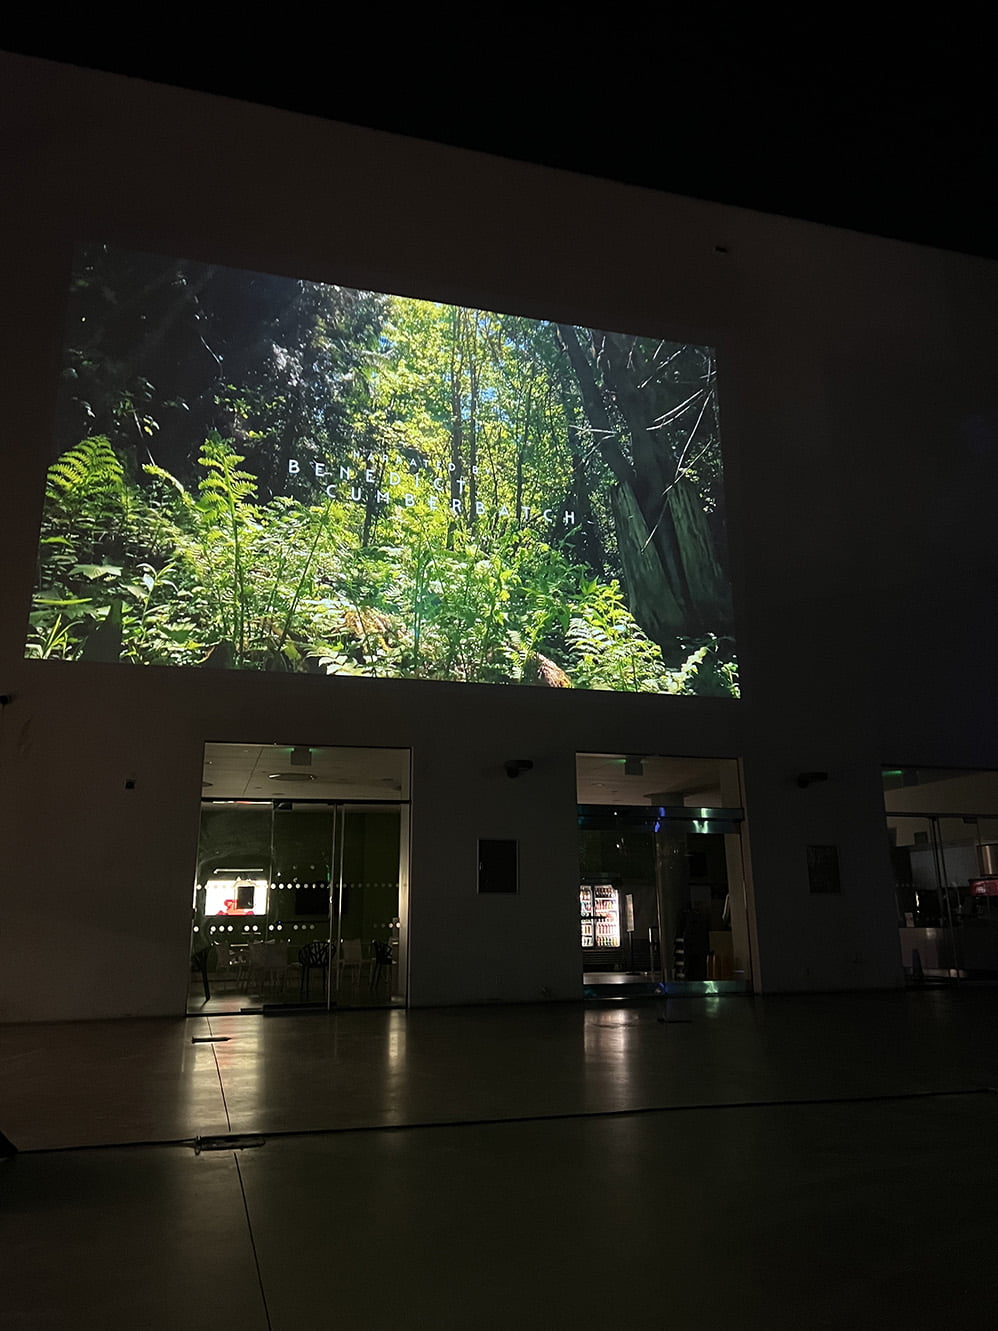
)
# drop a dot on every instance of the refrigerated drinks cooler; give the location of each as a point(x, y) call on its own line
point(600, 909)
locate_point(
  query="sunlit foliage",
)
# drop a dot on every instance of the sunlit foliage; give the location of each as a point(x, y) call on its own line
point(260, 473)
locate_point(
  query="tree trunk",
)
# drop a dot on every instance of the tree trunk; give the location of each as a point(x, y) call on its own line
point(472, 486)
point(456, 431)
point(674, 582)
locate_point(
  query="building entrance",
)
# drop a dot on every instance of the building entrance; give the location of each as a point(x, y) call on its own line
point(301, 899)
point(662, 890)
point(943, 829)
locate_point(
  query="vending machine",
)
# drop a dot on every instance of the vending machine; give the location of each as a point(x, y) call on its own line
point(599, 906)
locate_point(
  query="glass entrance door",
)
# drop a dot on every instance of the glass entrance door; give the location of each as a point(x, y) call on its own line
point(338, 910)
point(305, 837)
point(946, 886)
point(942, 825)
point(661, 873)
point(663, 890)
point(367, 905)
point(232, 901)
point(319, 916)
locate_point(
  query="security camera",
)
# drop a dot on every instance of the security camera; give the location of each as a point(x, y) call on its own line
point(806, 779)
point(514, 766)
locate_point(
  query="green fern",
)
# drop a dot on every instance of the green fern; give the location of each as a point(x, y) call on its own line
point(91, 471)
point(224, 486)
point(227, 494)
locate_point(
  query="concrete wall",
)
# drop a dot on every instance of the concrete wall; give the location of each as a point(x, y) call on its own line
point(860, 422)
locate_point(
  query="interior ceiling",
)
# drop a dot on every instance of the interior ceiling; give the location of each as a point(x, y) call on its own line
point(266, 772)
point(603, 779)
point(245, 771)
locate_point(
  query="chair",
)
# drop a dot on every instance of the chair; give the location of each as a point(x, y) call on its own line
point(352, 957)
point(268, 964)
point(292, 964)
point(384, 956)
point(224, 968)
point(199, 965)
point(239, 961)
point(314, 956)
point(211, 961)
point(254, 968)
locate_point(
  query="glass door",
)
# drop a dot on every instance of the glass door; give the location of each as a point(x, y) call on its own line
point(337, 901)
point(301, 899)
point(942, 825)
point(656, 874)
point(660, 847)
point(366, 931)
point(946, 886)
point(302, 926)
point(232, 902)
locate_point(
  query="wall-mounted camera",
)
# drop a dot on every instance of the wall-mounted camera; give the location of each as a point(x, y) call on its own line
point(514, 766)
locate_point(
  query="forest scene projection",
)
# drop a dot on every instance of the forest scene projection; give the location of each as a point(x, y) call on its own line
point(263, 473)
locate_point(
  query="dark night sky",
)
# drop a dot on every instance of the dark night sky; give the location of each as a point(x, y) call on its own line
point(794, 110)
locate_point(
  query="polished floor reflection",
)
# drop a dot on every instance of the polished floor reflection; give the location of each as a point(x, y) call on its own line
point(230, 1002)
point(776, 1163)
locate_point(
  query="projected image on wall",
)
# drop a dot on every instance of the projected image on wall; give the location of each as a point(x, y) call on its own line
point(259, 473)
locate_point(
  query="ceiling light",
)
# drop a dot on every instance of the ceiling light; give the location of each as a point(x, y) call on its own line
point(291, 776)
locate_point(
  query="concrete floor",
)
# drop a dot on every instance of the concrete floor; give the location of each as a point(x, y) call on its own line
point(786, 1162)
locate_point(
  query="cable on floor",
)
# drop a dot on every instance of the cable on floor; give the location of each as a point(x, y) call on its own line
point(223, 1141)
point(221, 1084)
point(252, 1239)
